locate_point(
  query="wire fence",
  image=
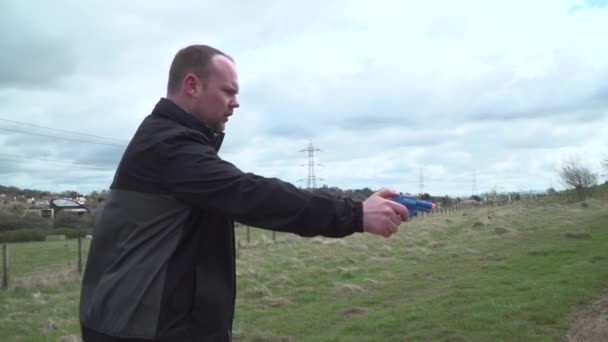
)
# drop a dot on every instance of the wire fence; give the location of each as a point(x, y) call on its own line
point(30, 264)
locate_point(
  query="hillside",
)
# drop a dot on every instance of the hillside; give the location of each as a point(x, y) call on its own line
point(521, 272)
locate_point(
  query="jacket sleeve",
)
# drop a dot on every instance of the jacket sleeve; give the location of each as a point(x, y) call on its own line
point(195, 174)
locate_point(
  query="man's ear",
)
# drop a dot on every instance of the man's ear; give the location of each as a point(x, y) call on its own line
point(192, 85)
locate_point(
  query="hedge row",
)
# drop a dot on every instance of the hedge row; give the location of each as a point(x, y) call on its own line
point(16, 221)
point(37, 234)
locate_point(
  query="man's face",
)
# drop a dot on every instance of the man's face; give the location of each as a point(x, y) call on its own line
point(217, 98)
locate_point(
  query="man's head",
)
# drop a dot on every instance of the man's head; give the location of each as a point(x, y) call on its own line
point(203, 81)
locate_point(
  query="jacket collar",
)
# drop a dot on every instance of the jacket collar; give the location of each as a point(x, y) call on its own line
point(168, 109)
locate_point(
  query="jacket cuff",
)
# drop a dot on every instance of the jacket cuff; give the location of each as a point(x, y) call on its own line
point(358, 217)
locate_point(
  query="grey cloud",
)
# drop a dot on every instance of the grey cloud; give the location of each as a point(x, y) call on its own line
point(372, 121)
point(47, 42)
point(58, 154)
point(570, 87)
point(11, 165)
point(287, 130)
point(579, 110)
point(370, 100)
point(31, 56)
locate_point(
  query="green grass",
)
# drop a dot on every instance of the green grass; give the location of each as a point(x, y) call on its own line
point(29, 260)
point(513, 273)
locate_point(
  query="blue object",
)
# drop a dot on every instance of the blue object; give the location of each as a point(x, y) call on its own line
point(413, 204)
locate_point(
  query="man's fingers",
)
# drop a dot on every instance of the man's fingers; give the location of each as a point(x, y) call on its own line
point(386, 193)
point(395, 218)
point(400, 209)
point(393, 228)
point(387, 233)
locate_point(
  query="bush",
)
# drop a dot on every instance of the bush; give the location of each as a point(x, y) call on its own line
point(23, 235)
point(70, 233)
point(9, 221)
point(13, 221)
point(72, 220)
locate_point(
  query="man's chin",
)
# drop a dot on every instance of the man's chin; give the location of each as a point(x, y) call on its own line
point(220, 128)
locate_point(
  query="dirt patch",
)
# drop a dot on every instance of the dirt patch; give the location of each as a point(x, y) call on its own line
point(500, 231)
point(68, 338)
point(591, 323)
point(573, 235)
point(537, 253)
point(277, 302)
point(352, 312)
point(346, 290)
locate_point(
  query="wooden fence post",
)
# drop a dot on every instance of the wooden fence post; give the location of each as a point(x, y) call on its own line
point(79, 253)
point(4, 266)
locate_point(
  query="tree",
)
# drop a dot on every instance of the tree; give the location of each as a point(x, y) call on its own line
point(578, 177)
point(425, 196)
point(446, 201)
point(476, 198)
point(70, 194)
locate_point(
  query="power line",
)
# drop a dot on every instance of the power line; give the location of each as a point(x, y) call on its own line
point(53, 161)
point(62, 138)
point(63, 130)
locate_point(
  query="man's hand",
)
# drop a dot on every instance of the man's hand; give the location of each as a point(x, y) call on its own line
point(382, 216)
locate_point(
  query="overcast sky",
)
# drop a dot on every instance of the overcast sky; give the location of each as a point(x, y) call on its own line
point(503, 91)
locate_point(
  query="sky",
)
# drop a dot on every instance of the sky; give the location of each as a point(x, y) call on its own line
point(473, 96)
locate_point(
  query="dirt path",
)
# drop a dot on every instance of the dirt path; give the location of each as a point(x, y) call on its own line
point(591, 323)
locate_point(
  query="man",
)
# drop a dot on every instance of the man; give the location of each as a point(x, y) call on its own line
point(161, 263)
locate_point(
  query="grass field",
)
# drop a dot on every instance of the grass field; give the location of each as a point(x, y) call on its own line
point(512, 273)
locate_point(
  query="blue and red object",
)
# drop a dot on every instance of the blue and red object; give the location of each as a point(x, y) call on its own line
point(413, 204)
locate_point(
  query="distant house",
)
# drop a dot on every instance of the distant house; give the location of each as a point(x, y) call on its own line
point(67, 205)
point(46, 213)
point(44, 202)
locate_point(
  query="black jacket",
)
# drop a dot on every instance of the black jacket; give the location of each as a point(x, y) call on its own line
point(162, 262)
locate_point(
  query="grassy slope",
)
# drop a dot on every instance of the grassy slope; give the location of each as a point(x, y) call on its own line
point(511, 273)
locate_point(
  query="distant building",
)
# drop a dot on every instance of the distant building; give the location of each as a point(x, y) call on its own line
point(44, 202)
point(46, 213)
point(67, 205)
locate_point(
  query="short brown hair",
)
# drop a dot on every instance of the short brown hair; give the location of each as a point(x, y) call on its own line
point(191, 59)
